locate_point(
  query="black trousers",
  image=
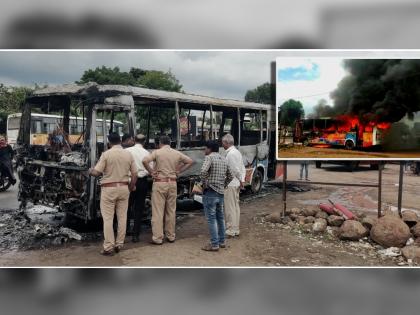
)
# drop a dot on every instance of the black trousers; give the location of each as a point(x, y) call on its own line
point(137, 202)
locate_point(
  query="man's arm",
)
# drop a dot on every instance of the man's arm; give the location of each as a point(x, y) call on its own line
point(228, 177)
point(204, 173)
point(134, 172)
point(99, 167)
point(187, 162)
point(147, 165)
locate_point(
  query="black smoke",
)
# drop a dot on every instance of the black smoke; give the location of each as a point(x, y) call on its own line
point(384, 90)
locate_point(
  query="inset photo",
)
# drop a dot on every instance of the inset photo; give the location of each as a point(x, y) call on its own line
point(348, 108)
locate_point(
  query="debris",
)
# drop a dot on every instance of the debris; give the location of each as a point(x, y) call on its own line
point(410, 218)
point(339, 208)
point(369, 221)
point(327, 208)
point(319, 226)
point(390, 231)
point(70, 233)
point(390, 252)
point(300, 219)
point(335, 220)
point(409, 242)
point(411, 252)
point(274, 217)
point(352, 230)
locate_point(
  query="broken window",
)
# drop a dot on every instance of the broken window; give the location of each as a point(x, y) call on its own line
point(250, 127)
point(195, 125)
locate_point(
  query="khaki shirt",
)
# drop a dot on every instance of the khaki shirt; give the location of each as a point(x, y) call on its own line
point(167, 161)
point(115, 164)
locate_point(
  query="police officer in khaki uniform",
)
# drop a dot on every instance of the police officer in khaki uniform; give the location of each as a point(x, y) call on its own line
point(168, 164)
point(115, 165)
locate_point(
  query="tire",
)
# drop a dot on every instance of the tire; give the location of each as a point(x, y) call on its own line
point(318, 164)
point(257, 181)
point(349, 145)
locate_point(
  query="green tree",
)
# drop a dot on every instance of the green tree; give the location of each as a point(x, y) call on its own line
point(290, 111)
point(264, 93)
point(152, 79)
point(11, 101)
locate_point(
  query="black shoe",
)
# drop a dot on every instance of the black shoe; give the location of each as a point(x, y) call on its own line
point(135, 239)
point(107, 253)
point(117, 249)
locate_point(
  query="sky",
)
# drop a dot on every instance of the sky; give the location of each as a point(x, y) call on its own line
point(223, 74)
point(308, 79)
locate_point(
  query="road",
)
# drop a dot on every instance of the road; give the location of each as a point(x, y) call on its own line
point(260, 244)
point(8, 198)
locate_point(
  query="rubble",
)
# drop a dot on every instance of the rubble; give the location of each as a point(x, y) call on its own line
point(390, 231)
point(321, 215)
point(390, 252)
point(335, 220)
point(352, 230)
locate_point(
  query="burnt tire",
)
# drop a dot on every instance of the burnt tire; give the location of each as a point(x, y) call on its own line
point(257, 181)
point(318, 164)
point(349, 145)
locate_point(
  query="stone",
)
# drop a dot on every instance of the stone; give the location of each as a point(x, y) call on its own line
point(410, 217)
point(416, 230)
point(390, 231)
point(352, 230)
point(321, 215)
point(296, 211)
point(307, 227)
point(300, 219)
point(309, 212)
point(319, 226)
point(335, 220)
point(411, 252)
point(293, 216)
point(309, 219)
point(369, 221)
point(274, 217)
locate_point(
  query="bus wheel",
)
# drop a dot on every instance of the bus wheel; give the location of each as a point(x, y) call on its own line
point(349, 145)
point(257, 181)
point(318, 164)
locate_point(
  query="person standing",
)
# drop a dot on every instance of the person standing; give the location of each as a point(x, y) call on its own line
point(236, 165)
point(6, 157)
point(215, 176)
point(138, 197)
point(168, 164)
point(114, 165)
point(304, 166)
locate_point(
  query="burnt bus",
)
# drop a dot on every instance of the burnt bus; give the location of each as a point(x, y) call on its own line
point(56, 173)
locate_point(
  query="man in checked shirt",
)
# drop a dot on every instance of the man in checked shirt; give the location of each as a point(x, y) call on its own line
point(215, 176)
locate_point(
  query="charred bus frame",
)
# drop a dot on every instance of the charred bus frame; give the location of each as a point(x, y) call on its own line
point(61, 180)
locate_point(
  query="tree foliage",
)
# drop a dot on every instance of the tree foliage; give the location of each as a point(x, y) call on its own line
point(152, 79)
point(264, 93)
point(11, 101)
point(289, 111)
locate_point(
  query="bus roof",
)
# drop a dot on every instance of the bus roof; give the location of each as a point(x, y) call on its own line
point(141, 94)
point(55, 116)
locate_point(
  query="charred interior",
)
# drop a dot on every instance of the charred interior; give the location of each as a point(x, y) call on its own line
point(63, 133)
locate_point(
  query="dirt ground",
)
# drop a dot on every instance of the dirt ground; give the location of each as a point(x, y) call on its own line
point(299, 151)
point(260, 243)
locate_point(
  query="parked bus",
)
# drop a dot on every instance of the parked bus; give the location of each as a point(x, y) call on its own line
point(43, 125)
point(58, 178)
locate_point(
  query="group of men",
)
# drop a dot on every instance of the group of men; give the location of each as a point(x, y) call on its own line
point(125, 168)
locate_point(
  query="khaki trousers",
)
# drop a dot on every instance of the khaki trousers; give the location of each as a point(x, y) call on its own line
point(114, 200)
point(163, 211)
point(232, 210)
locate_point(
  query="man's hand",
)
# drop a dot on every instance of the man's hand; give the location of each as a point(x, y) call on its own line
point(242, 185)
point(132, 187)
point(93, 172)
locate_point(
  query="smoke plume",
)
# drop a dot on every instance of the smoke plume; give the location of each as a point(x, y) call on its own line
point(383, 90)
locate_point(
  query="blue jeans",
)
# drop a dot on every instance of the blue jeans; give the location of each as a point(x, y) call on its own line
point(304, 165)
point(213, 209)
